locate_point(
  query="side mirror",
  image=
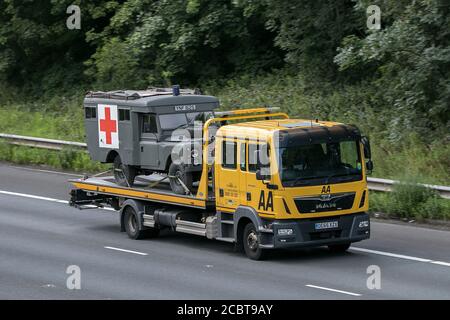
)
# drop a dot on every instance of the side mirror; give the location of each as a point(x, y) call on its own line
point(366, 145)
point(369, 166)
point(262, 176)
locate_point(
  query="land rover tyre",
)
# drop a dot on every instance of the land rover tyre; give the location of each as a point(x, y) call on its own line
point(123, 174)
point(133, 227)
point(250, 242)
point(339, 248)
point(178, 172)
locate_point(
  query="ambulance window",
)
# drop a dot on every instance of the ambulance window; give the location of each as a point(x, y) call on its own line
point(90, 112)
point(243, 156)
point(229, 150)
point(124, 115)
point(149, 123)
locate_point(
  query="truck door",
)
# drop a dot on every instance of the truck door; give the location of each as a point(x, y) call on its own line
point(148, 142)
point(244, 193)
point(257, 194)
point(228, 175)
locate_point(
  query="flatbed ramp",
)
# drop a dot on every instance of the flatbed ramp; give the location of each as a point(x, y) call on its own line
point(144, 188)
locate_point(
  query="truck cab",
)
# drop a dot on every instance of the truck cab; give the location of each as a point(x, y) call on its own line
point(304, 181)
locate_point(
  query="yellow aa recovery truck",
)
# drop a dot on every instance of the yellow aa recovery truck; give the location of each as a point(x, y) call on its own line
point(267, 182)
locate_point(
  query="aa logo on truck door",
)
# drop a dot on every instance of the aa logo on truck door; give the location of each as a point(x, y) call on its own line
point(262, 201)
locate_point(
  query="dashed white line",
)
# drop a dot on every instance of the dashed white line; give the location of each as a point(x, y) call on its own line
point(32, 196)
point(128, 251)
point(400, 256)
point(389, 254)
point(442, 263)
point(333, 290)
point(45, 198)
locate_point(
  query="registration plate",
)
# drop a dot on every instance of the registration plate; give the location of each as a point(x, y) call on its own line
point(326, 225)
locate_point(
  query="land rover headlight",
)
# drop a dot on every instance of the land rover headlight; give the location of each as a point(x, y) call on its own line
point(285, 232)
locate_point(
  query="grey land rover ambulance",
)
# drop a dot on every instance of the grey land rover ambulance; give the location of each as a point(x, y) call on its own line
point(134, 131)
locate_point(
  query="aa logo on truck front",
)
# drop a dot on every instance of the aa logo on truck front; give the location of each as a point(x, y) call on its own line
point(326, 189)
point(262, 201)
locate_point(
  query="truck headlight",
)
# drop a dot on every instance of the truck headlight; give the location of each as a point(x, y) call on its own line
point(364, 224)
point(285, 232)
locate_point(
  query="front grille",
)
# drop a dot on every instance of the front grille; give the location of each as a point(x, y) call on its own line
point(326, 202)
point(325, 235)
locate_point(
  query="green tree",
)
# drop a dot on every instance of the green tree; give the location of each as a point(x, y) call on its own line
point(410, 61)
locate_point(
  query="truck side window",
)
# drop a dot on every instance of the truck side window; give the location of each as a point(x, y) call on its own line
point(124, 115)
point(243, 156)
point(149, 123)
point(229, 155)
point(90, 112)
point(253, 163)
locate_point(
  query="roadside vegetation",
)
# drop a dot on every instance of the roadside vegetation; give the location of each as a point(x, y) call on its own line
point(316, 59)
point(411, 201)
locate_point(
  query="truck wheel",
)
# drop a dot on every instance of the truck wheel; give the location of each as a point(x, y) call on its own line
point(123, 174)
point(251, 244)
point(339, 248)
point(179, 171)
point(134, 229)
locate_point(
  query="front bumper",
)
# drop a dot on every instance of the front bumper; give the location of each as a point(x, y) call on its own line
point(350, 228)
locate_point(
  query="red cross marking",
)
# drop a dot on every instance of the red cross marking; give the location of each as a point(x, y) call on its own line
point(107, 125)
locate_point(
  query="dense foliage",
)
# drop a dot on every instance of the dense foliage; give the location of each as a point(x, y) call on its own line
point(312, 58)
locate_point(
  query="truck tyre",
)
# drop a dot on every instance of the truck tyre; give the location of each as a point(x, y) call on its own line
point(134, 229)
point(250, 243)
point(123, 174)
point(339, 248)
point(179, 171)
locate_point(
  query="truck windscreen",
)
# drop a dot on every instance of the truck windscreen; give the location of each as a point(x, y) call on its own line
point(320, 163)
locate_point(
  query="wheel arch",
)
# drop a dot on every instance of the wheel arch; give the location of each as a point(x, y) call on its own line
point(111, 156)
point(137, 206)
point(242, 216)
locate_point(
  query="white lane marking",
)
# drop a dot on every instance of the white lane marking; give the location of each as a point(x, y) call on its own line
point(48, 171)
point(400, 256)
point(334, 290)
point(32, 196)
point(442, 263)
point(389, 254)
point(128, 251)
point(45, 198)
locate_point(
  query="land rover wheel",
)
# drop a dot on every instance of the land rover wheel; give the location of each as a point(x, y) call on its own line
point(180, 179)
point(123, 174)
point(134, 229)
point(250, 242)
point(339, 248)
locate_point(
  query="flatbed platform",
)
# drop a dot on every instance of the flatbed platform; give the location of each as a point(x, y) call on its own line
point(144, 188)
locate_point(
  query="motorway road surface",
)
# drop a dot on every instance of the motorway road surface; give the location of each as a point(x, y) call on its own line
point(41, 237)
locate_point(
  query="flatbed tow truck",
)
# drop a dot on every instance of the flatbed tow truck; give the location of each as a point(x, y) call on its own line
point(267, 182)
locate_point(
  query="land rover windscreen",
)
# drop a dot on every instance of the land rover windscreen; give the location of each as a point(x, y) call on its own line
point(174, 121)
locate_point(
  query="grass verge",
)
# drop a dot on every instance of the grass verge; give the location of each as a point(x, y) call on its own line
point(67, 159)
point(411, 201)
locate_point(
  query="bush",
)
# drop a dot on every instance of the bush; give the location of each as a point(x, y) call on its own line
point(411, 200)
point(68, 159)
point(407, 197)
